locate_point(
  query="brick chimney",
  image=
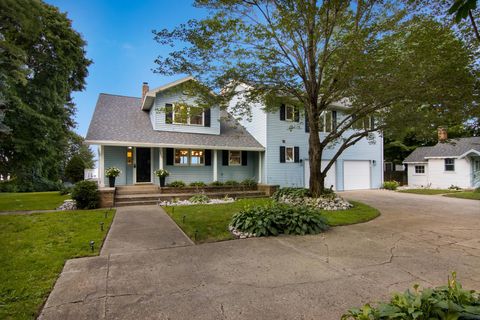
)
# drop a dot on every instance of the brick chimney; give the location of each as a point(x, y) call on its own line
point(442, 134)
point(145, 89)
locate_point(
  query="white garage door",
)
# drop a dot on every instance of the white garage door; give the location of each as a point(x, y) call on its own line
point(329, 179)
point(356, 175)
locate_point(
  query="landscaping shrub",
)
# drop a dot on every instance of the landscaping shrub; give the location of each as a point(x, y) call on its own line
point(454, 187)
point(477, 190)
point(291, 193)
point(65, 190)
point(8, 186)
point(198, 184)
point(176, 184)
point(391, 185)
point(199, 198)
point(86, 195)
point(446, 302)
point(275, 219)
point(216, 183)
point(249, 183)
point(231, 183)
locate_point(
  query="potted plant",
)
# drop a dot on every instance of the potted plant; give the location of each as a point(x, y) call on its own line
point(161, 174)
point(112, 173)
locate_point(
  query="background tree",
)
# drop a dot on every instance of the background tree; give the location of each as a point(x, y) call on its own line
point(74, 170)
point(77, 146)
point(42, 60)
point(370, 55)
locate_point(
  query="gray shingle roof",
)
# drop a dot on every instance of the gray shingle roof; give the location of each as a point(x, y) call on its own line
point(119, 120)
point(451, 148)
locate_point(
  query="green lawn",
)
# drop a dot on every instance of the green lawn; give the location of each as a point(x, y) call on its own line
point(472, 195)
point(33, 250)
point(209, 223)
point(428, 191)
point(31, 201)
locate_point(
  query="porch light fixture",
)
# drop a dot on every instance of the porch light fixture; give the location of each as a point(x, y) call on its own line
point(129, 155)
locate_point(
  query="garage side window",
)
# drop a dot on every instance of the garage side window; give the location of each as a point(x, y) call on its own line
point(419, 169)
point(449, 164)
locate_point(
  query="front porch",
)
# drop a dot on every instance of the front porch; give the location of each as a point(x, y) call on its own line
point(187, 164)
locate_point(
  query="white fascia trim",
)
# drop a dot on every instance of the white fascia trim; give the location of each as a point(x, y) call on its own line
point(468, 152)
point(443, 157)
point(415, 162)
point(163, 145)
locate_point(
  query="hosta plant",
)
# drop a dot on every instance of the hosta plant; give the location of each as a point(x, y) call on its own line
point(274, 219)
point(449, 302)
point(199, 198)
point(391, 185)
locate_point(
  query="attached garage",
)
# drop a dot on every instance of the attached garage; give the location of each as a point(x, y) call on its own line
point(356, 175)
point(330, 179)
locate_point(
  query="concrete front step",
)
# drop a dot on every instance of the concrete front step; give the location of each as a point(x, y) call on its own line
point(137, 189)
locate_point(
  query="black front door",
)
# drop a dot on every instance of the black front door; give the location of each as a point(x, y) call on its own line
point(143, 165)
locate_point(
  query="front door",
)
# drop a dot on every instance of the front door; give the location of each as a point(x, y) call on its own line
point(143, 165)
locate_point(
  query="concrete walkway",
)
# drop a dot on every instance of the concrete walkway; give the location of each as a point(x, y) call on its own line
point(417, 239)
point(141, 228)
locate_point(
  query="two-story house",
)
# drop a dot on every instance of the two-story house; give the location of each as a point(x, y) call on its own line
point(164, 129)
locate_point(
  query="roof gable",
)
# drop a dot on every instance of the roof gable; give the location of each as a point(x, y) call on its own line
point(453, 148)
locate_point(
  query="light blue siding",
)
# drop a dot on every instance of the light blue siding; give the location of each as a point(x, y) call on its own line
point(285, 133)
point(116, 157)
point(157, 114)
point(238, 173)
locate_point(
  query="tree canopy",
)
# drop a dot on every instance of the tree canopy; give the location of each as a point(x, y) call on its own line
point(376, 57)
point(42, 61)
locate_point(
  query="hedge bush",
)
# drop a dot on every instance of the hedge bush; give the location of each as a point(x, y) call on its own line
point(446, 302)
point(291, 193)
point(275, 219)
point(176, 184)
point(86, 195)
point(216, 183)
point(391, 185)
point(249, 183)
point(231, 183)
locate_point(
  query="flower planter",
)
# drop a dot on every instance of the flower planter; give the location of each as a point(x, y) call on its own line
point(111, 182)
point(162, 182)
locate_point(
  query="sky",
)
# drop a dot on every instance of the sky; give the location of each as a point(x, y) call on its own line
point(120, 42)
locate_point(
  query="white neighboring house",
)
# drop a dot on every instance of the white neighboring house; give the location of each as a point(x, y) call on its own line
point(450, 162)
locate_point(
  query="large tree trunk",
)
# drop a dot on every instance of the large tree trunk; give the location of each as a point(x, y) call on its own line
point(315, 154)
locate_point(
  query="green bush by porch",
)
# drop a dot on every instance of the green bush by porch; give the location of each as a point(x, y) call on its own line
point(31, 201)
point(209, 223)
point(33, 250)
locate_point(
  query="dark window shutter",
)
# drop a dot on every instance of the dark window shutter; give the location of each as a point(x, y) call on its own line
point(168, 113)
point(372, 122)
point(282, 112)
point(282, 154)
point(307, 127)
point(206, 117)
point(169, 156)
point(208, 157)
point(225, 157)
point(296, 155)
point(334, 120)
point(296, 115)
point(244, 158)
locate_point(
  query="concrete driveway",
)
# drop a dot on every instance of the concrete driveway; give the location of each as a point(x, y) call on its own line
point(417, 239)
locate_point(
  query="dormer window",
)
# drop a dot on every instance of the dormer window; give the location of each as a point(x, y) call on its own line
point(183, 114)
point(289, 113)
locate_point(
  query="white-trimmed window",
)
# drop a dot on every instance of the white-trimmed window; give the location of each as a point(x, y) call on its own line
point(326, 121)
point(289, 154)
point(234, 158)
point(181, 157)
point(449, 164)
point(183, 114)
point(290, 113)
point(420, 169)
point(365, 123)
point(197, 157)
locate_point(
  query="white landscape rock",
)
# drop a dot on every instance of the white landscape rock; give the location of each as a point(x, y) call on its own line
point(239, 234)
point(189, 203)
point(68, 205)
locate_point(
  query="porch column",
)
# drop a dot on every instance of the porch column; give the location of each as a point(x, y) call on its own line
point(259, 167)
point(215, 168)
point(101, 166)
point(160, 158)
